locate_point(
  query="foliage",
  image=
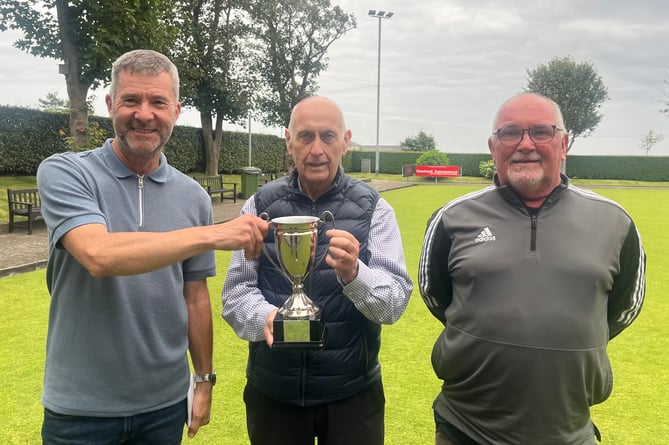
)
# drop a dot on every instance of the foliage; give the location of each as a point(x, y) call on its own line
point(347, 161)
point(93, 28)
point(645, 168)
point(650, 139)
point(210, 41)
point(419, 142)
point(87, 35)
point(292, 40)
point(433, 157)
point(210, 58)
point(469, 162)
point(664, 95)
point(212, 67)
point(96, 137)
point(54, 103)
point(267, 153)
point(576, 87)
point(29, 136)
point(487, 168)
point(390, 162)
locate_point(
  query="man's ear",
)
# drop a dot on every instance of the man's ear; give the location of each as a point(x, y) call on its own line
point(565, 145)
point(347, 142)
point(108, 101)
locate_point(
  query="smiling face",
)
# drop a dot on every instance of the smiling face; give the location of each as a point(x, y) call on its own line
point(317, 140)
point(532, 169)
point(144, 110)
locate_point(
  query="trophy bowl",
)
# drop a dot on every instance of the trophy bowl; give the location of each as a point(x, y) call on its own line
point(297, 324)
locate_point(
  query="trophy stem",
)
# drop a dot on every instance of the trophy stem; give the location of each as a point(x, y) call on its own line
point(299, 305)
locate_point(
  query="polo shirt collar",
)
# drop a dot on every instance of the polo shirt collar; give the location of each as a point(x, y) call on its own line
point(120, 170)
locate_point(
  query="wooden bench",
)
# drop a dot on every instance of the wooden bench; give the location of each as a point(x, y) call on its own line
point(25, 203)
point(264, 178)
point(214, 185)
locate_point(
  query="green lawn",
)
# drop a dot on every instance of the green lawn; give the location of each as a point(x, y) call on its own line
point(635, 413)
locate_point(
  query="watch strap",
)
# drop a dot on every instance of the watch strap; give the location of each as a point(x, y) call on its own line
point(202, 378)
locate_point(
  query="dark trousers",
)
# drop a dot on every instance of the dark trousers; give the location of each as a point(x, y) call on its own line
point(447, 434)
point(357, 420)
point(164, 426)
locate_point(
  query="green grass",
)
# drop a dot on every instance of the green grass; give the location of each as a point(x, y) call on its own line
point(21, 182)
point(635, 413)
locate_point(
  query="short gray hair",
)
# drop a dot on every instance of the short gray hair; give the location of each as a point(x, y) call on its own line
point(558, 111)
point(144, 61)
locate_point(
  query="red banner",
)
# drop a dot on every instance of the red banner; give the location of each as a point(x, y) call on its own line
point(438, 171)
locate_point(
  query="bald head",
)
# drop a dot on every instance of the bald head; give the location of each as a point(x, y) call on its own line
point(317, 139)
point(320, 103)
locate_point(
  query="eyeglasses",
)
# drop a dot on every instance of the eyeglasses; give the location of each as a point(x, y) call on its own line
point(513, 134)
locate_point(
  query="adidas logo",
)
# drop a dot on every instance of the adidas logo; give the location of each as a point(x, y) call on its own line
point(485, 235)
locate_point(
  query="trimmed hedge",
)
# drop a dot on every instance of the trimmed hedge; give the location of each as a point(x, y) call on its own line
point(28, 136)
point(634, 168)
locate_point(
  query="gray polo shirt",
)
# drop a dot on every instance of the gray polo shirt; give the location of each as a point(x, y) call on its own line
point(117, 346)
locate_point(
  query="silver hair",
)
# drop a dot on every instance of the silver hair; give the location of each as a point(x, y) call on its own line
point(558, 111)
point(144, 61)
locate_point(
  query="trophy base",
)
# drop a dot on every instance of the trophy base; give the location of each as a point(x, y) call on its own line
point(291, 333)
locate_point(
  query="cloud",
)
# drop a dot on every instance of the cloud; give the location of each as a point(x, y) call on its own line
point(447, 65)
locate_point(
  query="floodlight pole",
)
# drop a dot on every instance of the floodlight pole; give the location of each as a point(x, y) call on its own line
point(250, 139)
point(378, 15)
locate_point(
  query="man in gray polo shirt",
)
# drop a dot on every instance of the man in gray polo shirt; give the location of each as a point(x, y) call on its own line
point(131, 246)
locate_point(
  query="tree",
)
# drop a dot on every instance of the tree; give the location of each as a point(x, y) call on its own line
point(292, 39)
point(87, 35)
point(54, 103)
point(432, 157)
point(664, 91)
point(211, 60)
point(420, 142)
point(649, 140)
point(576, 87)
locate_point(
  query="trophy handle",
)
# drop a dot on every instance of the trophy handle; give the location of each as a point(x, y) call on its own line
point(265, 216)
point(322, 221)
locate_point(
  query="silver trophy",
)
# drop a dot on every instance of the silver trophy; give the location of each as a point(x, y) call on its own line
point(298, 323)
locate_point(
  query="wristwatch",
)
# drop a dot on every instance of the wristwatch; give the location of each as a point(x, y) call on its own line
point(201, 378)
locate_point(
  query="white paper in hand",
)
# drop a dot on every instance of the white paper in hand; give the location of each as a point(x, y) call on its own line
point(189, 399)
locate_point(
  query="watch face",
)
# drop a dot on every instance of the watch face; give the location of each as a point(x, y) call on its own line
point(212, 378)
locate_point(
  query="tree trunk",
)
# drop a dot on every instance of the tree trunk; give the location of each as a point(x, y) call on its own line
point(212, 142)
point(77, 90)
point(77, 93)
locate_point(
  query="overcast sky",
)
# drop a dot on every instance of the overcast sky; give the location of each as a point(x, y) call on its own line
point(446, 65)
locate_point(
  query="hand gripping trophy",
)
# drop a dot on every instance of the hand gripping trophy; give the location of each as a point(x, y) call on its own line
point(298, 324)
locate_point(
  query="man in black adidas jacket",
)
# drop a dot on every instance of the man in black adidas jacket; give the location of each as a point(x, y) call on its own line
point(531, 278)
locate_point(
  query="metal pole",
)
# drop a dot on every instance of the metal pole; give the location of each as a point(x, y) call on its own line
point(249, 138)
point(378, 99)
